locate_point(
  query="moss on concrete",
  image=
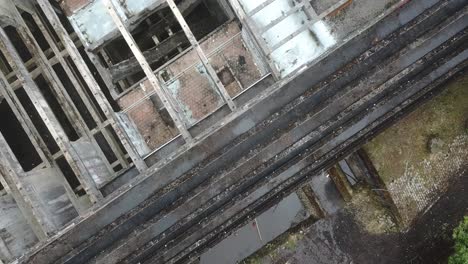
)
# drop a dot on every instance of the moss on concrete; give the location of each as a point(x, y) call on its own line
point(401, 150)
point(369, 212)
point(416, 156)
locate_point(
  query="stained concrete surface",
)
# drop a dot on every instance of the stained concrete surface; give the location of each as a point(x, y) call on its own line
point(343, 239)
point(326, 193)
point(15, 233)
point(363, 232)
point(258, 232)
point(353, 17)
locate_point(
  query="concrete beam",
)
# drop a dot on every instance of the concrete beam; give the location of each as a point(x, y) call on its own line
point(50, 120)
point(211, 72)
point(80, 89)
point(161, 92)
point(10, 174)
point(7, 16)
point(91, 82)
point(24, 119)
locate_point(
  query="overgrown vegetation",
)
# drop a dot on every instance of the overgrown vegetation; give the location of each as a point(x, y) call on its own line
point(417, 157)
point(460, 235)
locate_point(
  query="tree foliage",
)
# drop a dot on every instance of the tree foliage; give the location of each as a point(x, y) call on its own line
point(460, 236)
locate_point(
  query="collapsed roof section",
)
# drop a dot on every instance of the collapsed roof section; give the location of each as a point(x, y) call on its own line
point(95, 26)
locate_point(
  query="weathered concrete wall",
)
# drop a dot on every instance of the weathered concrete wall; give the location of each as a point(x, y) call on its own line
point(15, 233)
point(258, 232)
point(46, 186)
point(6, 13)
point(92, 161)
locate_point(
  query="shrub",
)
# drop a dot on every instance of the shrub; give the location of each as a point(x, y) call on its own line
point(460, 236)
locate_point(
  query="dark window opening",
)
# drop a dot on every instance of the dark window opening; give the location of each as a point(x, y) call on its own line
point(202, 22)
point(37, 120)
point(18, 43)
point(86, 89)
point(117, 50)
point(18, 139)
point(105, 147)
point(72, 92)
point(99, 80)
point(118, 168)
point(4, 65)
point(35, 30)
point(217, 11)
point(70, 176)
point(114, 135)
point(51, 98)
point(48, 26)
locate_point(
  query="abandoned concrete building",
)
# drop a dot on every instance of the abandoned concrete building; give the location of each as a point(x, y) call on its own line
point(159, 131)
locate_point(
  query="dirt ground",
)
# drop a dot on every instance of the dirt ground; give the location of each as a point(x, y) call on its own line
point(343, 239)
point(417, 157)
point(423, 160)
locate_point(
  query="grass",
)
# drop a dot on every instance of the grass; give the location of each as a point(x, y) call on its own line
point(406, 142)
point(417, 156)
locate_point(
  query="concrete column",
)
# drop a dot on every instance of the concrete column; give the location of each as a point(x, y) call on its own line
point(7, 16)
point(10, 176)
point(91, 82)
point(48, 116)
point(62, 96)
point(80, 89)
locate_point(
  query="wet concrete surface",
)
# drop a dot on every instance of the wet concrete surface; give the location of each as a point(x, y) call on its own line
point(342, 239)
point(258, 232)
point(326, 193)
